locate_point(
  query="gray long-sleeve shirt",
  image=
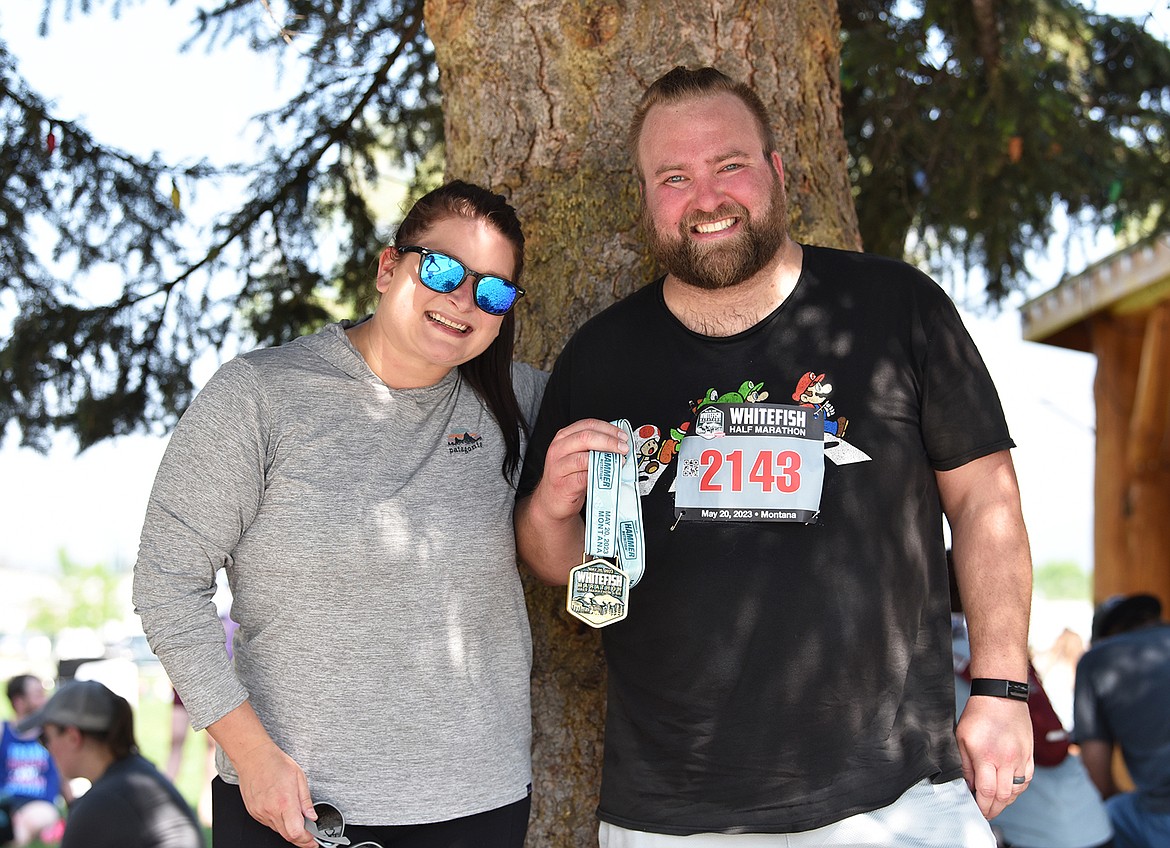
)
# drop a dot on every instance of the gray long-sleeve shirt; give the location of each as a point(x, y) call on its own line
point(367, 538)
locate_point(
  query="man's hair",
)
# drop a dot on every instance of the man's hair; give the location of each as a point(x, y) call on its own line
point(18, 686)
point(1123, 613)
point(682, 83)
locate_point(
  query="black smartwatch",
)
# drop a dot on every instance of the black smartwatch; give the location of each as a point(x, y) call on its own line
point(997, 688)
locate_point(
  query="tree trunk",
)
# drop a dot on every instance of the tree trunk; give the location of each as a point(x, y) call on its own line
point(537, 95)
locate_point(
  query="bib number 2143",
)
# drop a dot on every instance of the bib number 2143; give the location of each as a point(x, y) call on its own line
point(751, 462)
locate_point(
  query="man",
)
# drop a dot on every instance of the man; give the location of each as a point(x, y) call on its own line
point(31, 784)
point(787, 677)
point(89, 730)
point(1122, 698)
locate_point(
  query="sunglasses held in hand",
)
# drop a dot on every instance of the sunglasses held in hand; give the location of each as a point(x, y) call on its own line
point(439, 272)
point(329, 828)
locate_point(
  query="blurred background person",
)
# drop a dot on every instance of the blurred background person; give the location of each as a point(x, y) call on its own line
point(1122, 701)
point(1057, 667)
point(180, 727)
point(31, 783)
point(89, 730)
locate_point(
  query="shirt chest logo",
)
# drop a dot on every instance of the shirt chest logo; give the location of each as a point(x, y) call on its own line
point(464, 442)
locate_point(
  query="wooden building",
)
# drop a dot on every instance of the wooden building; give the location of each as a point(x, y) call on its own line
point(1119, 310)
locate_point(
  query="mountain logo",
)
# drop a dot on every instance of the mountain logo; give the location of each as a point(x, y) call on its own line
point(463, 442)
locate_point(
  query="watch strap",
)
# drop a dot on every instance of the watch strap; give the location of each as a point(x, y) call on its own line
point(996, 688)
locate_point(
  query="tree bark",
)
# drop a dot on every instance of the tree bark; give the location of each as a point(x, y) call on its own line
point(537, 95)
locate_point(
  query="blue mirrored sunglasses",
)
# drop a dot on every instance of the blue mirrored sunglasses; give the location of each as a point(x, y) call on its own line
point(439, 272)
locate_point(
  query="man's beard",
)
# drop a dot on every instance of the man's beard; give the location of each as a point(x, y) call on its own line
point(726, 263)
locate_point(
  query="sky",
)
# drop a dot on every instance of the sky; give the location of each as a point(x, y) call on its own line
point(127, 82)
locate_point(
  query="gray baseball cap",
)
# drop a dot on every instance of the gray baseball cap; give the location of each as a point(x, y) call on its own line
point(84, 704)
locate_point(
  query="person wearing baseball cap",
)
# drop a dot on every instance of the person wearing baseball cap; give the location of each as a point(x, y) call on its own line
point(89, 730)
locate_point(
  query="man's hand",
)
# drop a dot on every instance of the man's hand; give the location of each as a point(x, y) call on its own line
point(549, 531)
point(565, 481)
point(995, 745)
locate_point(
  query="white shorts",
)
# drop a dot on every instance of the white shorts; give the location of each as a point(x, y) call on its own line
point(927, 815)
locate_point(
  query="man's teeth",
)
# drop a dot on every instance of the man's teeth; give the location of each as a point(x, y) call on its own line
point(714, 226)
point(439, 319)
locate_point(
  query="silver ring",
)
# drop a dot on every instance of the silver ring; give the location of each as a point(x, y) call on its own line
point(1019, 781)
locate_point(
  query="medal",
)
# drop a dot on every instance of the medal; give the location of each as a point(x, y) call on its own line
point(599, 592)
point(599, 588)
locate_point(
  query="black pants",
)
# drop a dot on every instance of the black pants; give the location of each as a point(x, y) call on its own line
point(505, 827)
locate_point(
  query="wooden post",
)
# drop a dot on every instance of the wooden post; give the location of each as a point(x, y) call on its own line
point(1132, 487)
point(1148, 462)
point(1117, 345)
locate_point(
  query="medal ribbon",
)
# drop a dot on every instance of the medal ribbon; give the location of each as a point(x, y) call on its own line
point(613, 508)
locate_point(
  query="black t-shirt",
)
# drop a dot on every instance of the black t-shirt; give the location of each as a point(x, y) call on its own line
point(777, 677)
point(131, 806)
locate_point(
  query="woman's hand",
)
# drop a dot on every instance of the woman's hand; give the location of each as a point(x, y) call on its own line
point(276, 793)
point(273, 786)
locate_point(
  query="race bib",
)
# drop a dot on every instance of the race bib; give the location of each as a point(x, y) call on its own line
point(751, 462)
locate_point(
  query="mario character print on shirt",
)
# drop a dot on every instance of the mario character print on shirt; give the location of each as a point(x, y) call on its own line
point(657, 451)
point(748, 392)
point(812, 391)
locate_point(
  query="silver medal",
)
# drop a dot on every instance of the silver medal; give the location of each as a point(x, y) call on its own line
point(599, 593)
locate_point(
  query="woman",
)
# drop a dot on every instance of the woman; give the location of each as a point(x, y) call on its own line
point(357, 486)
point(89, 730)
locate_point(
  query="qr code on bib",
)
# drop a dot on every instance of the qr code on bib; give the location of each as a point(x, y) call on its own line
point(689, 468)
